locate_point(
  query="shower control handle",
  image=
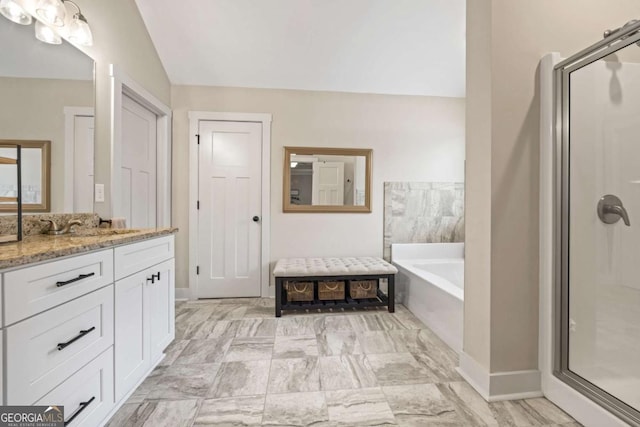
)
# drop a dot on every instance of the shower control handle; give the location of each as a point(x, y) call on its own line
point(618, 210)
point(610, 210)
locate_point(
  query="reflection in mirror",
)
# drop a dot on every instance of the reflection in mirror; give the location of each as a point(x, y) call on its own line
point(36, 175)
point(327, 180)
point(48, 94)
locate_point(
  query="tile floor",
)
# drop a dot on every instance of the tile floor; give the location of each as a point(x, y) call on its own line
point(234, 364)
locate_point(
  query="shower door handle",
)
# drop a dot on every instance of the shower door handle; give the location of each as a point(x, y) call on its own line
point(610, 210)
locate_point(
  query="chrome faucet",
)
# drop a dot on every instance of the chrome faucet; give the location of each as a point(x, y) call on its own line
point(56, 230)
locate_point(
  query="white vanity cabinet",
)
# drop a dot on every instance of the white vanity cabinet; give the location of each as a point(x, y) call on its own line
point(83, 331)
point(144, 310)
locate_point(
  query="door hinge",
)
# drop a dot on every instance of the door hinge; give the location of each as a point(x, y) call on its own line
point(198, 204)
point(198, 137)
point(197, 269)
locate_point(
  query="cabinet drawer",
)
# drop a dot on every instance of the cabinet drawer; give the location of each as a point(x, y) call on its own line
point(46, 349)
point(31, 290)
point(130, 259)
point(88, 393)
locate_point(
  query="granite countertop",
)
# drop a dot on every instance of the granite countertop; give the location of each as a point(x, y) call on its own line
point(41, 247)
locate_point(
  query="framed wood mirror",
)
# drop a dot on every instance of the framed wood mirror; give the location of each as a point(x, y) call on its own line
point(327, 180)
point(36, 175)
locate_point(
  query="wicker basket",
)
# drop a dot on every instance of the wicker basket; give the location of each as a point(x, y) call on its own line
point(331, 290)
point(299, 291)
point(360, 289)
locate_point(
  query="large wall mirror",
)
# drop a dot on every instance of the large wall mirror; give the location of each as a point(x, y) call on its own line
point(48, 95)
point(319, 179)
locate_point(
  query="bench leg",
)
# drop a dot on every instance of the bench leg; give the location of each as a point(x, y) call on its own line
point(278, 296)
point(391, 290)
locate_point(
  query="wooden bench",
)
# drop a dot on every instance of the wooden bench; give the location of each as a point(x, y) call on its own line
point(334, 269)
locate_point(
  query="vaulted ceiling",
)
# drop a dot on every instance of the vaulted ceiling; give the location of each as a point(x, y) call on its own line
point(408, 47)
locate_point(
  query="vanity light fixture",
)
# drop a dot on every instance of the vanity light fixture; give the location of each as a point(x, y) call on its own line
point(46, 34)
point(79, 31)
point(52, 12)
point(51, 15)
point(14, 12)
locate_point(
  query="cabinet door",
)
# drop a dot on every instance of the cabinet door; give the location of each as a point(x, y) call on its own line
point(132, 344)
point(162, 307)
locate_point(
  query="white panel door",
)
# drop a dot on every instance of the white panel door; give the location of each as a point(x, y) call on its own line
point(138, 164)
point(328, 183)
point(83, 137)
point(229, 216)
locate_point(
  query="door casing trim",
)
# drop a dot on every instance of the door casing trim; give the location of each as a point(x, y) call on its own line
point(70, 114)
point(123, 84)
point(195, 117)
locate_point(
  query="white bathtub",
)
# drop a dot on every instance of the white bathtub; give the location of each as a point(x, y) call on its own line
point(430, 283)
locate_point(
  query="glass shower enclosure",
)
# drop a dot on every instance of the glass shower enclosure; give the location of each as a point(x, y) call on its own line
point(597, 222)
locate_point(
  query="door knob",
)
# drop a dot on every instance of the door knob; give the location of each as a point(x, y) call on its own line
point(256, 218)
point(610, 210)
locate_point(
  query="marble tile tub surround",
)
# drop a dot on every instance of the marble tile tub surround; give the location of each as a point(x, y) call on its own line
point(231, 365)
point(31, 224)
point(423, 212)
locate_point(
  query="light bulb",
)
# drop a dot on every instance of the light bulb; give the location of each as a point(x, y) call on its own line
point(79, 31)
point(52, 12)
point(14, 12)
point(46, 34)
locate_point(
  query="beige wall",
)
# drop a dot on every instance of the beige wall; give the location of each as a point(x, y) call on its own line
point(34, 109)
point(413, 139)
point(520, 34)
point(477, 273)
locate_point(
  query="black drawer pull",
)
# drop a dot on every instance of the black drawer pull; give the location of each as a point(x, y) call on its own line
point(80, 277)
point(83, 405)
point(157, 276)
point(82, 333)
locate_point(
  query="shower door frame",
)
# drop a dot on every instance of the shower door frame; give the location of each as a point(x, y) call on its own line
point(561, 80)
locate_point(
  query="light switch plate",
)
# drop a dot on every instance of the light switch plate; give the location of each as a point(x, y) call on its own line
point(99, 192)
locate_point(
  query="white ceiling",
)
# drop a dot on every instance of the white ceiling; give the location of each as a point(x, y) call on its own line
point(410, 47)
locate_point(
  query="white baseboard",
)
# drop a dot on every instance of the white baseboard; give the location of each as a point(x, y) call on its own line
point(474, 374)
point(498, 386)
point(183, 294)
